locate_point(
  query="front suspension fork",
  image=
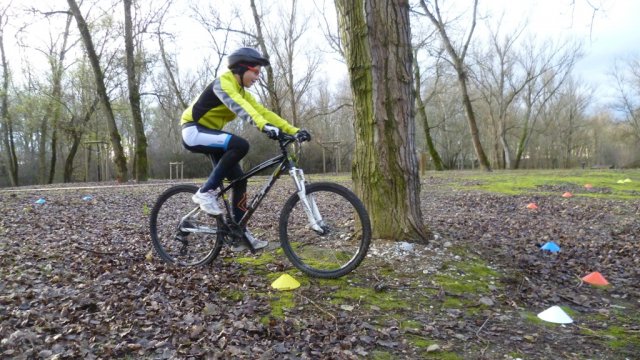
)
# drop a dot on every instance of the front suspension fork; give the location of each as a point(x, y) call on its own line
point(308, 201)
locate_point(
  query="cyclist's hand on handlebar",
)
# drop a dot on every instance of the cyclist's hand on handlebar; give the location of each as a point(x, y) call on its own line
point(271, 131)
point(303, 135)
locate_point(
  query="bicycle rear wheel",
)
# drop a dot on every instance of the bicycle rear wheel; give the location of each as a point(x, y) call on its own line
point(181, 233)
point(343, 240)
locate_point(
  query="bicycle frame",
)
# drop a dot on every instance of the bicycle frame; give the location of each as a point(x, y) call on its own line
point(283, 160)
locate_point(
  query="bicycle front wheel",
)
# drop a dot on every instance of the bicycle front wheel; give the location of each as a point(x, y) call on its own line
point(181, 233)
point(334, 246)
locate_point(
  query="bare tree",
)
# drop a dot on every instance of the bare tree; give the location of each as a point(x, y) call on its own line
point(75, 131)
point(218, 30)
point(285, 42)
point(275, 102)
point(56, 55)
point(500, 82)
point(133, 84)
point(549, 65)
point(114, 135)
point(169, 68)
point(626, 73)
point(333, 38)
point(457, 57)
point(421, 108)
point(377, 41)
point(6, 120)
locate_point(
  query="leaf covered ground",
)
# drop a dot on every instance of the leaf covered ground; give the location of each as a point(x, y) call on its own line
point(78, 280)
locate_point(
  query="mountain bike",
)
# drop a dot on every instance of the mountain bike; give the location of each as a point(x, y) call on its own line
point(324, 228)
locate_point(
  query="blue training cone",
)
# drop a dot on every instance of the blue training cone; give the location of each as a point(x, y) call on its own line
point(551, 247)
point(41, 201)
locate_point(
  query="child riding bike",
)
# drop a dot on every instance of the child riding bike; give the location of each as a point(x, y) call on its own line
point(222, 101)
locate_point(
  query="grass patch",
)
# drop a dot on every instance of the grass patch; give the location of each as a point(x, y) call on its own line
point(281, 302)
point(620, 337)
point(381, 355)
point(233, 295)
point(261, 260)
point(534, 319)
point(470, 276)
point(422, 344)
point(419, 341)
point(386, 301)
point(517, 182)
point(410, 324)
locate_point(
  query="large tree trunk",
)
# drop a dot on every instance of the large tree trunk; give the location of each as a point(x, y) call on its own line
point(376, 36)
point(120, 159)
point(141, 162)
point(6, 122)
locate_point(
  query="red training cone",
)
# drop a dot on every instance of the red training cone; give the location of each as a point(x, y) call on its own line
point(532, 206)
point(567, 195)
point(595, 278)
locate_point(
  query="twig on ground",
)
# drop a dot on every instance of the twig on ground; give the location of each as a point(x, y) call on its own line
point(321, 309)
point(481, 327)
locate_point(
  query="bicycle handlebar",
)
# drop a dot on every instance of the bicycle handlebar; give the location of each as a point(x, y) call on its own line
point(286, 139)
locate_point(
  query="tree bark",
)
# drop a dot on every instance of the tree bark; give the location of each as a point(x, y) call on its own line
point(377, 44)
point(120, 159)
point(141, 161)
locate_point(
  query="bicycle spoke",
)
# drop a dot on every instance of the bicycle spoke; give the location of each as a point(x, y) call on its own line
point(182, 234)
point(345, 239)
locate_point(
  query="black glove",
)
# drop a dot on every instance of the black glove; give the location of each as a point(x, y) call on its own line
point(271, 131)
point(303, 135)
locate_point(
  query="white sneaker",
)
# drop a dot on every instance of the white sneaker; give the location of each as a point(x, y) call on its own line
point(207, 201)
point(257, 244)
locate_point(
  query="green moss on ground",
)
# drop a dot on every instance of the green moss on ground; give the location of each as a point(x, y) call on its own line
point(519, 182)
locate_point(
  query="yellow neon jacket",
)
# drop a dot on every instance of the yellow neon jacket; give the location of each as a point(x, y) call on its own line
point(223, 100)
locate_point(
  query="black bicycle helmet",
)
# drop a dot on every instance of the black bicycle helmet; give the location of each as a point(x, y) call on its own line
point(247, 56)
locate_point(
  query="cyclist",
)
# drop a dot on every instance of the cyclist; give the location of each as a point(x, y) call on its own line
point(222, 101)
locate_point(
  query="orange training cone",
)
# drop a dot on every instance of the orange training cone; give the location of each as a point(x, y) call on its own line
point(532, 206)
point(567, 195)
point(588, 186)
point(595, 278)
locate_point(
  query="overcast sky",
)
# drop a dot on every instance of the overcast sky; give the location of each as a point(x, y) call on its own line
point(612, 32)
